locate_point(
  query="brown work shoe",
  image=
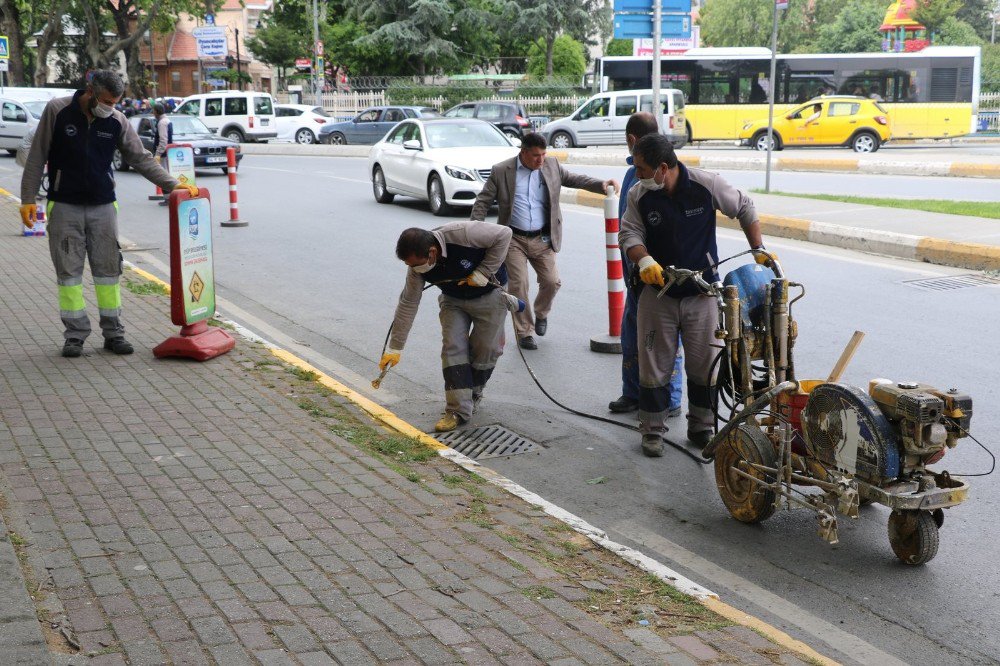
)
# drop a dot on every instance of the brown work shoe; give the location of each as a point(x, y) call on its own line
point(448, 422)
point(652, 445)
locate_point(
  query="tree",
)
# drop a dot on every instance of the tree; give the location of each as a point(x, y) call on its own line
point(991, 68)
point(748, 23)
point(417, 31)
point(619, 47)
point(10, 25)
point(855, 30)
point(278, 45)
point(977, 14)
point(567, 59)
point(933, 13)
point(52, 31)
point(550, 18)
point(954, 32)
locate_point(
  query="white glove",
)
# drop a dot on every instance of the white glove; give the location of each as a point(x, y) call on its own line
point(476, 279)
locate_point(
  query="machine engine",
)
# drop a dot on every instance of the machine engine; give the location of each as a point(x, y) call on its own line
point(927, 419)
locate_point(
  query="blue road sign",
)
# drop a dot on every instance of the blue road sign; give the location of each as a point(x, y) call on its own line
point(4, 48)
point(640, 26)
point(646, 6)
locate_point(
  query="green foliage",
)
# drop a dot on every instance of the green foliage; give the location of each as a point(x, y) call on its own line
point(619, 47)
point(991, 68)
point(278, 45)
point(855, 29)
point(748, 23)
point(932, 14)
point(977, 14)
point(954, 32)
point(567, 58)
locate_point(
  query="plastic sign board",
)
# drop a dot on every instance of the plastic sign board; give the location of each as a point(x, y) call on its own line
point(212, 42)
point(644, 47)
point(781, 4)
point(640, 26)
point(4, 66)
point(4, 48)
point(646, 6)
point(192, 275)
point(180, 162)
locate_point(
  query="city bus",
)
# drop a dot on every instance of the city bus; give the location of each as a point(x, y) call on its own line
point(929, 94)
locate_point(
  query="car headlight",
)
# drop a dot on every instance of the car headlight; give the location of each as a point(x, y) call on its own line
point(197, 151)
point(460, 173)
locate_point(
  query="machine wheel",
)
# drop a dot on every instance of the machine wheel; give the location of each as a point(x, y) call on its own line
point(865, 142)
point(382, 194)
point(561, 140)
point(435, 195)
point(118, 162)
point(759, 141)
point(305, 136)
point(747, 501)
point(913, 536)
point(337, 139)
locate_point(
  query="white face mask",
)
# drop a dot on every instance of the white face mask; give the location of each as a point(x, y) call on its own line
point(423, 268)
point(650, 183)
point(102, 110)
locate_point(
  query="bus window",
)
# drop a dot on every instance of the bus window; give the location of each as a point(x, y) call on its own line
point(873, 84)
point(753, 82)
point(713, 87)
point(803, 86)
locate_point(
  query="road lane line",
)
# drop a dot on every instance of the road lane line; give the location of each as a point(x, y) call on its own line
point(846, 643)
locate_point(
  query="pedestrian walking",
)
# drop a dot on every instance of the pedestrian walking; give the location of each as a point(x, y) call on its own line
point(639, 125)
point(77, 137)
point(465, 260)
point(670, 220)
point(163, 132)
point(526, 189)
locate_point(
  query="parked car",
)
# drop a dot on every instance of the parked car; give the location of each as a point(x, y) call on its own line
point(370, 125)
point(841, 120)
point(510, 118)
point(16, 120)
point(600, 121)
point(300, 123)
point(209, 150)
point(444, 161)
point(237, 115)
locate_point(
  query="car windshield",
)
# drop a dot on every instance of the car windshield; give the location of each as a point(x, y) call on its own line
point(35, 108)
point(188, 125)
point(462, 135)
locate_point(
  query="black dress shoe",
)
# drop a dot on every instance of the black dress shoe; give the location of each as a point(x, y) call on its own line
point(623, 405)
point(701, 438)
point(120, 346)
point(72, 348)
point(527, 342)
point(541, 325)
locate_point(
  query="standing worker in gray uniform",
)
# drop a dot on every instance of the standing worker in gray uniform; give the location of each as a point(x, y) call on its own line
point(77, 137)
point(164, 132)
point(670, 221)
point(465, 260)
point(526, 188)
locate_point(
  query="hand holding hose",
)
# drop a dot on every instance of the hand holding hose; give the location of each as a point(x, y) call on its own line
point(763, 257)
point(476, 278)
point(651, 272)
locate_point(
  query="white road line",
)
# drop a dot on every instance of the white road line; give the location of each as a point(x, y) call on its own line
point(794, 615)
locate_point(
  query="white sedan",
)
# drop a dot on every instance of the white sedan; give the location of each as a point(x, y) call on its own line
point(444, 161)
point(299, 122)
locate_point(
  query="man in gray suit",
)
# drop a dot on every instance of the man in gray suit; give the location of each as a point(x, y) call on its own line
point(526, 189)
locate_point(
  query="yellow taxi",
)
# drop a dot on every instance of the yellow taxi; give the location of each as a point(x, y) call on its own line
point(834, 120)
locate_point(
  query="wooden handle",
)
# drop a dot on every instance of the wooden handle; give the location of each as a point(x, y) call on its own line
point(846, 356)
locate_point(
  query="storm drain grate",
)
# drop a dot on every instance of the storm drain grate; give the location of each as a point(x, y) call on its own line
point(487, 442)
point(954, 282)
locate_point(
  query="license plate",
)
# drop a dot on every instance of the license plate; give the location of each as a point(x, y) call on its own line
point(215, 160)
point(265, 121)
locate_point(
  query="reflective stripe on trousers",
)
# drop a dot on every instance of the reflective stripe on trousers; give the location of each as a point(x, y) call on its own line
point(472, 336)
point(76, 233)
point(659, 320)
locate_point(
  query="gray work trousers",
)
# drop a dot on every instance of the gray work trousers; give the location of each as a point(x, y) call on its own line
point(538, 252)
point(79, 232)
point(472, 333)
point(659, 321)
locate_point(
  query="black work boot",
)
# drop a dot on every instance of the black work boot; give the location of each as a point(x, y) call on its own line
point(623, 405)
point(72, 348)
point(120, 346)
point(652, 445)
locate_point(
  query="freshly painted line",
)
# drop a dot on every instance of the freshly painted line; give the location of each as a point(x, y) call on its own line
point(146, 275)
point(844, 642)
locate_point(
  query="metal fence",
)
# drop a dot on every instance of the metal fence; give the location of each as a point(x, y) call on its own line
point(989, 112)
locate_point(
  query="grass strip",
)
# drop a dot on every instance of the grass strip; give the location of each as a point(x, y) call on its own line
point(987, 209)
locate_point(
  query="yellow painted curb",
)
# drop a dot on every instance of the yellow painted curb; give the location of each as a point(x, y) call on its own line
point(150, 277)
point(585, 198)
point(786, 227)
point(5, 193)
point(560, 155)
point(375, 410)
point(951, 253)
point(802, 164)
point(772, 633)
point(974, 170)
point(692, 160)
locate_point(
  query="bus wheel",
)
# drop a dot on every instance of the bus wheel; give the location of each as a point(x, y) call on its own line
point(865, 142)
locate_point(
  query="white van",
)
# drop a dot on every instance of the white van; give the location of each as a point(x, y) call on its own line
point(236, 115)
point(600, 121)
point(17, 118)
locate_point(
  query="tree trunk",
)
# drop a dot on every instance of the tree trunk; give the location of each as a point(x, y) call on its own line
point(10, 23)
point(51, 34)
point(137, 81)
point(550, 44)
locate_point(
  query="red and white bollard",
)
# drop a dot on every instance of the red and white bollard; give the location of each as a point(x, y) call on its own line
point(234, 213)
point(611, 343)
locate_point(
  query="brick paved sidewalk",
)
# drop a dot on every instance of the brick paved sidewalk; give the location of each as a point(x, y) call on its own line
point(236, 512)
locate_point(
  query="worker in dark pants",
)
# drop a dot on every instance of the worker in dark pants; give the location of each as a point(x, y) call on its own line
point(670, 220)
point(77, 137)
point(639, 125)
point(466, 262)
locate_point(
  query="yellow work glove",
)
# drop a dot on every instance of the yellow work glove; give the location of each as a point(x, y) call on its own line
point(651, 272)
point(191, 189)
point(763, 257)
point(389, 359)
point(475, 279)
point(29, 214)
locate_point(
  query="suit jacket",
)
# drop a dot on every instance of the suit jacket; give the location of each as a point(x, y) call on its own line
point(500, 186)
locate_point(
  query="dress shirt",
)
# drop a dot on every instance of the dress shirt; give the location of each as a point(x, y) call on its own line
point(530, 199)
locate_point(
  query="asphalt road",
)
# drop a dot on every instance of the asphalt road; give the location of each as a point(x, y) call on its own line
point(315, 272)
